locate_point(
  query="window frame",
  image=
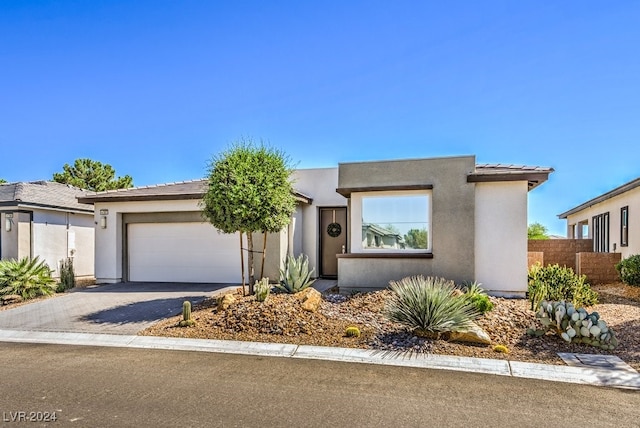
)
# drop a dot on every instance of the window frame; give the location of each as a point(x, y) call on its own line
point(356, 208)
point(624, 226)
point(601, 235)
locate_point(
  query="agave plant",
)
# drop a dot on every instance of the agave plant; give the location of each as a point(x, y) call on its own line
point(296, 275)
point(27, 278)
point(430, 306)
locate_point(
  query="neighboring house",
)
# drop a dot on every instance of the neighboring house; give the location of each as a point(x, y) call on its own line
point(45, 219)
point(473, 217)
point(608, 220)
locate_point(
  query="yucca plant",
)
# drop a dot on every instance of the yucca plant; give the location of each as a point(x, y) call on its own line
point(296, 275)
point(27, 278)
point(429, 306)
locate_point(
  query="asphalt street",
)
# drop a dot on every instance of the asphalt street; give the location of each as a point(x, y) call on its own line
point(117, 387)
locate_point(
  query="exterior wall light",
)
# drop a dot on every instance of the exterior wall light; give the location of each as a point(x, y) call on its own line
point(103, 222)
point(8, 220)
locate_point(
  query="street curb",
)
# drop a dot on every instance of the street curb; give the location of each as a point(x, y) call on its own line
point(581, 375)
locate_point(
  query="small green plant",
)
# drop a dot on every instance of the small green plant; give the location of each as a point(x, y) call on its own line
point(352, 331)
point(555, 282)
point(429, 306)
point(27, 278)
point(186, 315)
point(501, 349)
point(262, 289)
point(629, 270)
point(478, 297)
point(296, 276)
point(67, 276)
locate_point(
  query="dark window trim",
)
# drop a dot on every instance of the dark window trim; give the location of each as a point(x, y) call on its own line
point(377, 255)
point(624, 226)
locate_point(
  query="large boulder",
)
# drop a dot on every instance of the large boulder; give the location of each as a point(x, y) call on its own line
point(474, 335)
point(310, 298)
point(226, 301)
point(11, 298)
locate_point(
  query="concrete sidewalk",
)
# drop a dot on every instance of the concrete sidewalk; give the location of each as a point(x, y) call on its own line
point(580, 375)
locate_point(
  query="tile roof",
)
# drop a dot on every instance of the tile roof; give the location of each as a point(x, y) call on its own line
point(192, 189)
point(43, 194)
point(535, 175)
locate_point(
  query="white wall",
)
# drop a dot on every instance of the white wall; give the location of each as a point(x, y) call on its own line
point(55, 233)
point(501, 237)
point(613, 206)
point(320, 184)
point(108, 255)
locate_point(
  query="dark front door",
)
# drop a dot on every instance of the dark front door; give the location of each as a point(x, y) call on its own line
point(333, 239)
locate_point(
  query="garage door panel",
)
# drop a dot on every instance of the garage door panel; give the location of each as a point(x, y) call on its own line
point(182, 252)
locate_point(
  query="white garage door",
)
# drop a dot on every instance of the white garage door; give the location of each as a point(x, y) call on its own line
point(182, 252)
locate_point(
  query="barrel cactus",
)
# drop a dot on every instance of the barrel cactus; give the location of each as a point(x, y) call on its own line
point(352, 331)
point(574, 325)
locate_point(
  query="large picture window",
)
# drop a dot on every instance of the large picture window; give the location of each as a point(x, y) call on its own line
point(624, 226)
point(396, 222)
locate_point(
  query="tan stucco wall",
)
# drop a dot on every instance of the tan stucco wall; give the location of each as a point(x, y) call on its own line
point(452, 219)
point(613, 206)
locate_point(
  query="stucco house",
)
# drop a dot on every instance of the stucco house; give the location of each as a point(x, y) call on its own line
point(45, 219)
point(471, 219)
point(607, 219)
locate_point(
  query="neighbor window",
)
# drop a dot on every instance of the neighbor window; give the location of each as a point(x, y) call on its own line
point(396, 222)
point(601, 233)
point(624, 226)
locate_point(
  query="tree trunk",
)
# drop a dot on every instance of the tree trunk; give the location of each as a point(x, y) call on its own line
point(242, 264)
point(264, 254)
point(252, 277)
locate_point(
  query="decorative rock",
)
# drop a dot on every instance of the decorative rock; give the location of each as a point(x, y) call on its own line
point(474, 335)
point(310, 298)
point(11, 298)
point(226, 301)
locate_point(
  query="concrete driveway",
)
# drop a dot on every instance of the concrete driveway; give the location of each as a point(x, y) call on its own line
point(123, 308)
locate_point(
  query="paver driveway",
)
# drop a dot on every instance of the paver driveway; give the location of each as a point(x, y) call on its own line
point(115, 308)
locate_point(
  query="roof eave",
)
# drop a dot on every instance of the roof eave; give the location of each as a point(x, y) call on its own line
point(533, 179)
point(598, 199)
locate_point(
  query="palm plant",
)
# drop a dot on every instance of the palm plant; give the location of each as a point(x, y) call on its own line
point(429, 306)
point(27, 278)
point(296, 275)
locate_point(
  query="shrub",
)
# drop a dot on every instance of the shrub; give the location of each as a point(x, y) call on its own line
point(477, 296)
point(67, 276)
point(554, 282)
point(629, 270)
point(295, 276)
point(429, 306)
point(28, 278)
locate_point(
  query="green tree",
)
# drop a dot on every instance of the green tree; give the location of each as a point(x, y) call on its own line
point(2, 181)
point(416, 238)
point(92, 175)
point(250, 190)
point(537, 231)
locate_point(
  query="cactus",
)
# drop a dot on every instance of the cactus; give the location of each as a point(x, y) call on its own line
point(574, 325)
point(501, 348)
point(186, 315)
point(352, 331)
point(296, 275)
point(262, 289)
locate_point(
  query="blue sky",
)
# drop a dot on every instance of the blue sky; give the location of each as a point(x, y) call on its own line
point(156, 87)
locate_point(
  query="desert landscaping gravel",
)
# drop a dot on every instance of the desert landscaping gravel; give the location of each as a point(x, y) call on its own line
point(282, 320)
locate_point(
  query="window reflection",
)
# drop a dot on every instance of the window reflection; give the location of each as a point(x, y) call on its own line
point(395, 222)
